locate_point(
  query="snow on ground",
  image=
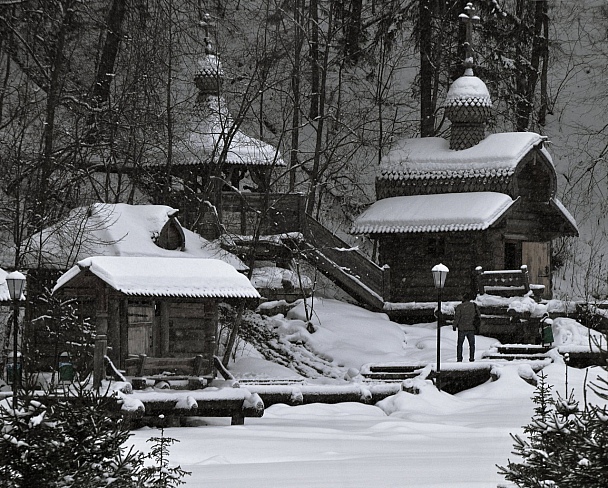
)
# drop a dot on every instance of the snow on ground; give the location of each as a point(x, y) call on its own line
point(420, 441)
point(342, 329)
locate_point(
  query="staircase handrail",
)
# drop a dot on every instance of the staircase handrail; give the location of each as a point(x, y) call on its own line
point(349, 258)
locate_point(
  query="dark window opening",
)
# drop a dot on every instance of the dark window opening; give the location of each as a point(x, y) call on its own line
point(436, 247)
point(512, 255)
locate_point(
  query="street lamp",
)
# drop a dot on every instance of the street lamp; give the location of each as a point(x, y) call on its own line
point(440, 273)
point(15, 281)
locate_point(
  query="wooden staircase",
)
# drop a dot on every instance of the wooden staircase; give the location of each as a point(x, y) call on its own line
point(285, 219)
point(346, 266)
point(496, 322)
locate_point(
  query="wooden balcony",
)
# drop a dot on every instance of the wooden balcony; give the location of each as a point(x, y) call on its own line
point(248, 214)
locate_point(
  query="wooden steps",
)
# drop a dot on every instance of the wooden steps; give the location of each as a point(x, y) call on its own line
point(518, 352)
point(391, 372)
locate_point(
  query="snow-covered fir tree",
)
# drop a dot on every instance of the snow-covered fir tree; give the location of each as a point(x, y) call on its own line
point(566, 445)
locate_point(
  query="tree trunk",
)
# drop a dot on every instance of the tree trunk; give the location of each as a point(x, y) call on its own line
point(320, 120)
point(295, 89)
point(105, 70)
point(544, 97)
point(314, 60)
point(427, 111)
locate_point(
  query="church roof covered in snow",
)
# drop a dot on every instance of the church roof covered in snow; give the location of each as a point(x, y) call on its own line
point(213, 132)
point(431, 157)
point(118, 230)
point(164, 277)
point(433, 213)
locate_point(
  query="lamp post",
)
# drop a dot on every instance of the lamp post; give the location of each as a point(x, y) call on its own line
point(440, 273)
point(15, 282)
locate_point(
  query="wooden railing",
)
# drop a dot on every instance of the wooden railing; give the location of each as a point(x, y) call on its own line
point(278, 213)
point(504, 282)
point(243, 213)
point(366, 277)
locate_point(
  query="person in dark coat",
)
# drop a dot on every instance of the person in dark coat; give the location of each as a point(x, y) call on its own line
point(467, 320)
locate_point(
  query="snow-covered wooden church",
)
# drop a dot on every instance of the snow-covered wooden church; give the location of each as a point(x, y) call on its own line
point(465, 202)
point(221, 164)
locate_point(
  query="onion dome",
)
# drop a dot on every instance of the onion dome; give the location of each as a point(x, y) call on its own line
point(468, 104)
point(468, 91)
point(209, 74)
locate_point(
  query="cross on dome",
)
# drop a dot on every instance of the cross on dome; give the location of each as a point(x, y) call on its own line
point(209, 74)
point(469, 17)
point(468, 103)
point(204, 23)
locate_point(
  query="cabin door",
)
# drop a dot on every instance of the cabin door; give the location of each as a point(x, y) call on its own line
point(537, 256)
point(141, 320)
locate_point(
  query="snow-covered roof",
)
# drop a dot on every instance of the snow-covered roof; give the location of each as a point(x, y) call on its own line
point(212, 127)
point(117, 230)
point(559, 206)
point(432, 158)
point(433, 213)
point(165, 277)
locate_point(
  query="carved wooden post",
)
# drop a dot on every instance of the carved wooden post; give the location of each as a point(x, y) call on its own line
point(480, 288)
point(113, 332)
point(525, 278)
point(101, 339)
point(386, 283)
point(164, 328)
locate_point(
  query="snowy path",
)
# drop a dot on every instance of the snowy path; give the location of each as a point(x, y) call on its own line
point(431, 440)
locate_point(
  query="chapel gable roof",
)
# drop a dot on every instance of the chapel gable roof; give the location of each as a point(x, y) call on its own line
point(428, 165)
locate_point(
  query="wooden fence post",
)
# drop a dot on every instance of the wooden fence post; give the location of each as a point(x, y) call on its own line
point(101, 347)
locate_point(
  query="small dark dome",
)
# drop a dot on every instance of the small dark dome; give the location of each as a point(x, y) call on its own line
point(209, 74)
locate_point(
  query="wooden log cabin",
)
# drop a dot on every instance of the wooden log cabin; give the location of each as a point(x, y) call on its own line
point(465, 202)
point(148, 232)
point(157, 306)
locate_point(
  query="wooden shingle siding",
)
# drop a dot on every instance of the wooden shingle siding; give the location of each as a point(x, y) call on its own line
point(394, 188)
